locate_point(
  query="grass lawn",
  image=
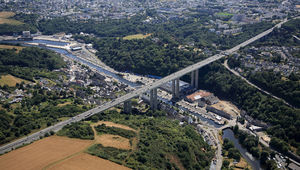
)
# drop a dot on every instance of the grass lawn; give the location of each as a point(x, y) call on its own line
point(136, 36)
point(10, 80)
point(4, 18)
point(18, 48)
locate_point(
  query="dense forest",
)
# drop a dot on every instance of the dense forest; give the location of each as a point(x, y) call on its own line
point(79, 130)
point(288, 89)
point(144, 56)
point(27, 63)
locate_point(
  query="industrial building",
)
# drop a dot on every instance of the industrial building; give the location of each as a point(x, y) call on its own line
point(197, 96)
point(76, 48)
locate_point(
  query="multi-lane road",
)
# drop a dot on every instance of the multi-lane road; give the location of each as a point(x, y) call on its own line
point(137, 92)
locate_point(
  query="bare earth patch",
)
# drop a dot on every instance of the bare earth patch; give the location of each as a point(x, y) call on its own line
point(115, 141)
point(227, 107)
point(6, 14)
point(85, 161)
point(42, 153)
point(111, 124)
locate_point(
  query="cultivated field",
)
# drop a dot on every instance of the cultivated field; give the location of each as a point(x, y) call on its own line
point(18, 48)
point(136, 36)
point(57, 153)
point(85, 161)
point(4, 18)
point(10, 80)
point(42, 153)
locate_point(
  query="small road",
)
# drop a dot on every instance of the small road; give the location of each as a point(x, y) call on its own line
point(296, 37)
point(253, 85)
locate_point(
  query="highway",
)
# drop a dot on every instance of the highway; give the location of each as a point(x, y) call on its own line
point(137, 92)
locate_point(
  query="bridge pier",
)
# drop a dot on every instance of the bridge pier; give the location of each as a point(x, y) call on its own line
point(127, 106)
point(153, 99)
point(195, 79)
point(175, 88)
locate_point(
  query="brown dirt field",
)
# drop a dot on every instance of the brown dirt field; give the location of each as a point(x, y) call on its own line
point(227, 107)
point(42, 153)
point(85, 161)
point(5, 14)
point(111, 124)
point(10, 80)
point(113, 141)
point(10, 21)
point(18, 48)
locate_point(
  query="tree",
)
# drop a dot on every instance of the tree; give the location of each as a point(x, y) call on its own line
point(226, 163)
point(271, 165)
point(264, 156)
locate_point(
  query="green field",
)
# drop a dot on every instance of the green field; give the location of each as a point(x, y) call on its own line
point(136, 36)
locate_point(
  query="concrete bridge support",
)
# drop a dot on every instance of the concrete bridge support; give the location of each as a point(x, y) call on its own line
point(127, 106)
point(195, 79)
point(175, 88)
point(153, 99)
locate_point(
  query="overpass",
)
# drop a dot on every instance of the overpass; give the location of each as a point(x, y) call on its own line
point(174, 77)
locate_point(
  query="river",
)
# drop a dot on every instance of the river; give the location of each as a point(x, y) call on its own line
point(254, 163)
point(100, 69)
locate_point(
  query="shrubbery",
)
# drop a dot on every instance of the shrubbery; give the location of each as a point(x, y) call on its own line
point(77, 130)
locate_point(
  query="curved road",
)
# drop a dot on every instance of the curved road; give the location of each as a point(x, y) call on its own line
point(137, 92)
point(253, 85)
